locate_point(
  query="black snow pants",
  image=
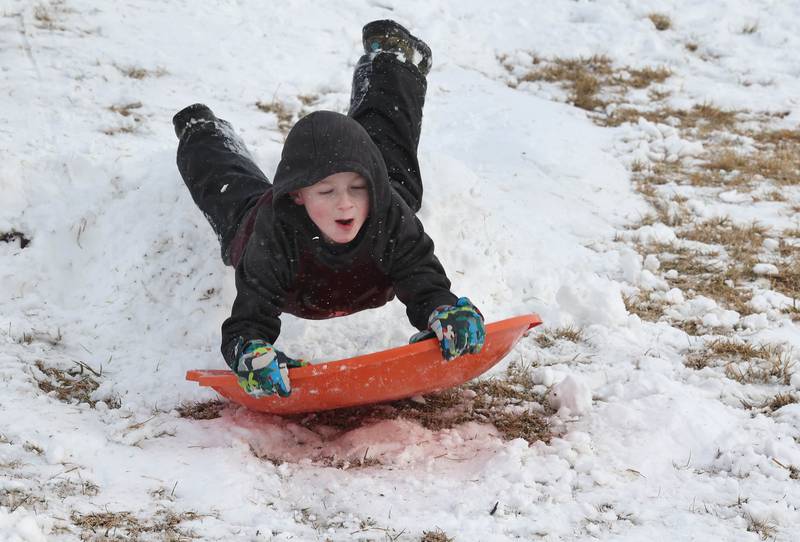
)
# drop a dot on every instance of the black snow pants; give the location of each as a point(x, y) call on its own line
point(387, 99)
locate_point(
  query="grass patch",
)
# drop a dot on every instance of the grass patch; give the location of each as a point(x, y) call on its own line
point(741, 242)
point(68, 488)
point(778, 160)
point(137, 72)
point(205, 410)
point(72, 385)
point(45, 16)
point(764, 529)
point(125, 110)
point(787, 281)
point(126, 526)
point(14, 498)
point(586, 78)
point(660, 21)
point(502, 402)
point(698, 273)
point(781, 400)
point(124, 129)
point(744, 362)
point(435, 536)
point(549, 336)
point(645, 308)
point(705, 117)
point(14, 236)
point(281, 111)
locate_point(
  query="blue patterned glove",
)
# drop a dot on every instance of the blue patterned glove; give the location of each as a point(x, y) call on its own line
point(459, 328)
point(262, 369)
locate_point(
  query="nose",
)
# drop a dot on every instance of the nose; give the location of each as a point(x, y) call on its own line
point(345, 201)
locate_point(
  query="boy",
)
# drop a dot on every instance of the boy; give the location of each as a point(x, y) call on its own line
point(336, 233)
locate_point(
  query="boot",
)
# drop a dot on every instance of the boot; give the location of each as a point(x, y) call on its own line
point(387, 36)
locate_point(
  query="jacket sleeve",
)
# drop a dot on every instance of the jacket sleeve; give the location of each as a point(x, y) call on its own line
point(262, 278)
point(419, 279)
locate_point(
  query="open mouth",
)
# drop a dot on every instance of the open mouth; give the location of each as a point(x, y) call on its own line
point(347, 222)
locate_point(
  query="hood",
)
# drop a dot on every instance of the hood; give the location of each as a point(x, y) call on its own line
point(323, 143)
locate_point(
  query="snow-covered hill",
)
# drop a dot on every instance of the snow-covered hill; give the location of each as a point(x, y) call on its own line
point(111, 286)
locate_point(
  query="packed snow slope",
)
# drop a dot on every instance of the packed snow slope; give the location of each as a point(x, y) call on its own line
point(525, 198)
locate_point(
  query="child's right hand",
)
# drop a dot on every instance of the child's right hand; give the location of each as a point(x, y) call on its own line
point(263, 370)
point(459, 328)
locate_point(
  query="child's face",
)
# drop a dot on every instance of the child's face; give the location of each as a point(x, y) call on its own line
point(338, 205)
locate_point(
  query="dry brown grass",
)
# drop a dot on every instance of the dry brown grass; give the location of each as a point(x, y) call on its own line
point(645, 308)
point(205, 410)
point(705, 118)
point(660, 21)
point(644, 77)
point(137, 72)
point(788, 280)
point(125, 526)
point(14, 498)
point(126, 109)
point(586, 78)
point(781, 400)
point(744, 362)
point(763, 528)
point(72, 385)
point(776, 158)
point(124, 129)
point(743, 244)
point(281, 111)
point(435, 536)
point(484, 401)
point(46, 16)
point(547, 337)
point(740, 241)
point(581, 76)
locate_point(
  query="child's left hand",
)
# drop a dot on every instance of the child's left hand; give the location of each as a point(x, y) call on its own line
point(264, 370)
point(459, 328)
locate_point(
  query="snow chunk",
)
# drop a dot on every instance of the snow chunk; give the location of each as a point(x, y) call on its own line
point(765, 269)
point(755, 321)
point(593, 300)
point(651, 263)
point(674, 296)
point(657, 233)
point(771, 244)
point(543, 376)
point(711, 320)
point(55, 454)
point(721, 318)
point(631, 264)
point(20, 526)
point(649, 281)
point(572, 395)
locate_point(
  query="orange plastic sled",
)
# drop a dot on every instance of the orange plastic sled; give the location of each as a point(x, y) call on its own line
point(392, 374)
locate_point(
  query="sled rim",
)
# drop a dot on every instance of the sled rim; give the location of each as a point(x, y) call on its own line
point(220, 378)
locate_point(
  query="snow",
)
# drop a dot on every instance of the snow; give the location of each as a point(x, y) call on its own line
point(528, 202)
